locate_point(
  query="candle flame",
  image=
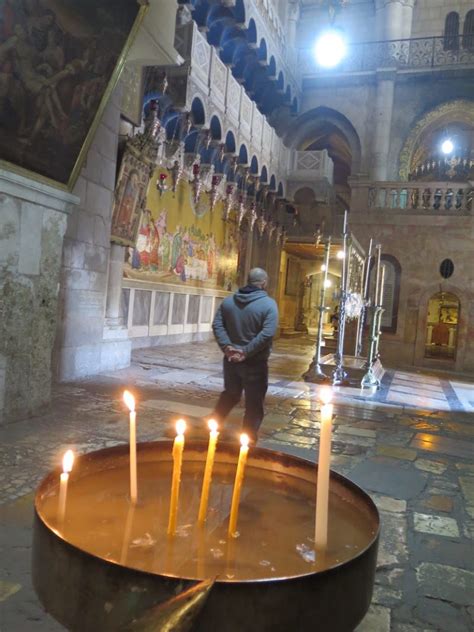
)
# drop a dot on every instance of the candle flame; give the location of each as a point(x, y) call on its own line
point(68, 460)
point(129, 400)
point(325, 394)
point(180, 426)
point(244, 440)
point(212, 423)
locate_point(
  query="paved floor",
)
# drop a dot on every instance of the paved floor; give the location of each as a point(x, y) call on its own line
point(410, 446)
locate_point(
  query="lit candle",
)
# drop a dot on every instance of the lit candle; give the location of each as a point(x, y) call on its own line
point(206, 483)
point(322, 492)
point(239, 477)
point(130, 403)
point(178, 447)
point(68, 460)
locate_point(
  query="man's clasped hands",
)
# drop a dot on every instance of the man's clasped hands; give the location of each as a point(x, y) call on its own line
point(233, 354)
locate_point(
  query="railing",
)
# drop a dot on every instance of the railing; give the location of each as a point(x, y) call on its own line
point(417, 53)
point(418, 197)
point(311, 165)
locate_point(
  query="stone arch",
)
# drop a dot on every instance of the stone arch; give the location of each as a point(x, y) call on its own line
point(254, 166)
point(243, 158)
point(458, 111)
point(309, 122)
point(239, 12)
point(262, 52)
point(273, 183)
point(264, 175)
point(252, 33)
point(421, 299)
point(230, 144)
point(215, 128)
point(198, 111)
point(272, 67)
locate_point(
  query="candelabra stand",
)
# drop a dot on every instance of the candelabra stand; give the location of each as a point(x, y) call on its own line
point(339, 375)
point(318, 372)
point(369, 379)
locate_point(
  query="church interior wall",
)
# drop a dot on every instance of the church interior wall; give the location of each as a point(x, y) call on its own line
point(413, 98)
point(354, 102)
point(420, 244)
point(80, 349)
point(429, 16)
point(33, 219)
point(358, 21)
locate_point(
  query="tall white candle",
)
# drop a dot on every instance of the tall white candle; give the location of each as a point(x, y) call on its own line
point(130, 402)
point(68, 460)
point(324, 464)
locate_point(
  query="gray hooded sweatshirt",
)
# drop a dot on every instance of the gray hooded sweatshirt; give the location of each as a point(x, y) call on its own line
point(248, 320)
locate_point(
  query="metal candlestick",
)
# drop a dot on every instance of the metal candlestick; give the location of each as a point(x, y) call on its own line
point(339, 375)
point(321, 309)
point(365, 302)
point(369, 379)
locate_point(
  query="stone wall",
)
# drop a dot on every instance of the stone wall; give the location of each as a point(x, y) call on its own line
point(33, 220)
point(421, 243)
point(80, 346)
point(430, 15)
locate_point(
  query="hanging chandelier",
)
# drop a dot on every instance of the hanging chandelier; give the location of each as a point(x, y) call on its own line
point(333, 6)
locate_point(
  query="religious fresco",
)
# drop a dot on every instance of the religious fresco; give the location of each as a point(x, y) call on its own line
point(176, 244)
point(58, 58)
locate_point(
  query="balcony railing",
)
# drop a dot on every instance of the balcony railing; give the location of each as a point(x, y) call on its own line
point(410, 54)
point(414, 197)
point(311, 165)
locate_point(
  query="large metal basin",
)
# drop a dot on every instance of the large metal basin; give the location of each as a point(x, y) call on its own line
point(89, 593)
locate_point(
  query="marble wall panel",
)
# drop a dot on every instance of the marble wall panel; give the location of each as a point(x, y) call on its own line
point(179, 307)
point(141, 308)
point(162, 305)
point(206, 309)
point(193, 309)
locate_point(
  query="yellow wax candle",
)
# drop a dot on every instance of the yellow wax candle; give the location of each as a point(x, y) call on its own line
point(239, 477)
point(324, 463)
point(127, 534)
point(130, 402)
point(178, 447)
point(206, 483)
point(68, 460)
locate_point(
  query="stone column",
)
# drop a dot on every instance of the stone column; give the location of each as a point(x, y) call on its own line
point(394, 19)
point(293, 17)
point(114, 286)
point(383, 123)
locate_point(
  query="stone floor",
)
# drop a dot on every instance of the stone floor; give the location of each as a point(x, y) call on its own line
point(410, 445)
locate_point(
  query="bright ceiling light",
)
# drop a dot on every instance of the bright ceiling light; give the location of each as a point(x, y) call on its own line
point(323, 267)
point(447, 146)
point(330, 49)
point(327, 283)
point(340, 254)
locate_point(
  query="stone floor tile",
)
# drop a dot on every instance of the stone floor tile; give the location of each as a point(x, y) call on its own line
point(437, 525)
point(467, 486)
point(7, 589)
point(406, 454)
point(442, 445)
point(385, 503)
point(430, 466)
point(446, 582)
point(438, 503)
point(376, 620)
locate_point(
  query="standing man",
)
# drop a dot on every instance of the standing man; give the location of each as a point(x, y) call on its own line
point(244, 327)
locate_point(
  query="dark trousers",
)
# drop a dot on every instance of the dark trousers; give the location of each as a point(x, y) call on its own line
point(252, 378)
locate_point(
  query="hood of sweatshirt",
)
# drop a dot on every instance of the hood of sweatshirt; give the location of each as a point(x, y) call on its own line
point(249, 294)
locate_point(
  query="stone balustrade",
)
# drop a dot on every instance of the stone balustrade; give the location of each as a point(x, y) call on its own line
point(407, 54)
point(453, 198)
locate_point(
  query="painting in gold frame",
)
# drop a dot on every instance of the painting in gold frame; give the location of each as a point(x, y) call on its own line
point(59, 63)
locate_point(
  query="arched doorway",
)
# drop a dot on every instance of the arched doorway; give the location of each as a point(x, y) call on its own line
point(442, 326)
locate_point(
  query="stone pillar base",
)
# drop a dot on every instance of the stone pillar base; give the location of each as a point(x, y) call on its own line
point(116, 348)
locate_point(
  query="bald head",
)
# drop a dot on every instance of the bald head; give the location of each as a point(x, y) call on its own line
point(258, 277)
